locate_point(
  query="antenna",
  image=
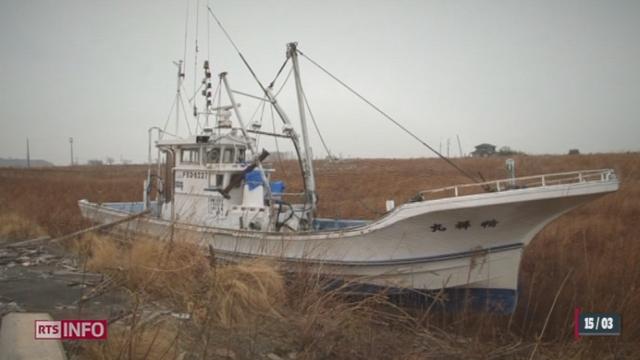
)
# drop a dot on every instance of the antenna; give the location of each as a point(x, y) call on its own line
point(71, 148)
point(178, 98)
point(28, 155)
point(459, 145)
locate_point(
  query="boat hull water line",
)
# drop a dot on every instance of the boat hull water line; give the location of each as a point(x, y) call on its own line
point(470, 242)
point(215, 188)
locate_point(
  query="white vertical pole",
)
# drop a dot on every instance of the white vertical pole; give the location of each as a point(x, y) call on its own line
point(448, 146)
point(28, 155)
point(265, 181)
point(310, 179)
point(223, 76)
point(71, 149)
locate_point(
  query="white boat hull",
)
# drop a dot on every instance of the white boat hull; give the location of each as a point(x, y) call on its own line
point(470, 242)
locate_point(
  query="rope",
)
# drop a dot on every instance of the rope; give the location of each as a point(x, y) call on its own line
point(186, 23)
point(251, 120)
point(255, 112)
point(275, 138)
point(186, 117)
point(255, 77)
point(208, 38)
point(278, 74)
point(195, 93)
point(226, 34)
point(170, 114)
point(315, 125)
point(191, 107)
point(284, 83)
point(388, 117)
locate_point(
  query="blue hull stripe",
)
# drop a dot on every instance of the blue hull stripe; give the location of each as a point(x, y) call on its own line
point(500, 301)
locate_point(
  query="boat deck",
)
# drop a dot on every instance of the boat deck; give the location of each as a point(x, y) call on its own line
point(563, 178)
point(320, 224)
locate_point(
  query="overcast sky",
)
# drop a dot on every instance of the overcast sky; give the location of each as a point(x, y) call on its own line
point(539, 76)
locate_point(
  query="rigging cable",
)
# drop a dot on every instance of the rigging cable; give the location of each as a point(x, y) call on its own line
point(279, 71)
point(273, 119)
point(388, 117)
point(195, 115)
point(195, 64)
point(195, 93)
point(219, 101)
point(186, 23)
point(237, 49)
point(255, 77)
point(169, 117)
point(285, 82)
point(275, 138)
point(186, 117)
point(208, 38)
point(315, 124)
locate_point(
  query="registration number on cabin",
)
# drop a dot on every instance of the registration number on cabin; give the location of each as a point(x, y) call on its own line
point(194, 174)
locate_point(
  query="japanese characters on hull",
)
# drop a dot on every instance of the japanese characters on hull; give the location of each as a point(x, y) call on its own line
point(464, 225)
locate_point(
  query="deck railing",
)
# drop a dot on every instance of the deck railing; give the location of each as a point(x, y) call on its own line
point(573, 177)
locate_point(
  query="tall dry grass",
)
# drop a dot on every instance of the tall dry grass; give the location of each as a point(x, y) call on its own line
point(213, 298)
point(48, 196)
point(17, 227)
point(587, 258)
point(179, 274)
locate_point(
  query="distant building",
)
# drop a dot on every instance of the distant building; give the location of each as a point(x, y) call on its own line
point(23, 163)
point(95, 163)
point(483, 150)
point(574, 152)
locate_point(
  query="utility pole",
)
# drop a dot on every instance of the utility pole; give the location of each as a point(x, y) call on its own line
point(28, 155)
point(448, 145)
point(71, 148)
point(459, 145)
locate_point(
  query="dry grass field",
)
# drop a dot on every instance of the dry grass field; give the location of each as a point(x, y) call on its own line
point(588, 258)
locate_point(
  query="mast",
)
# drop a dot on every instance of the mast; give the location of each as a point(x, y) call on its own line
point(180, 78)
point(309, 178)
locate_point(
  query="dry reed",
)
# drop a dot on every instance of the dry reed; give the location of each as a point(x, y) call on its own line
point(600, 241)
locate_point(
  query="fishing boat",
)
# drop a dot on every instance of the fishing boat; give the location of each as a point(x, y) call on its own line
point(217, 186)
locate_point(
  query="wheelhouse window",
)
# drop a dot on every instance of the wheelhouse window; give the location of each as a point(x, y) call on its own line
point(213, 156)
point(241, 155)
point(216, 181)
point(190, 156)
point(227, 156)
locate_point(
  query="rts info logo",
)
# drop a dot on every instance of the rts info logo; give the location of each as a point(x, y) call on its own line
point(71, 329)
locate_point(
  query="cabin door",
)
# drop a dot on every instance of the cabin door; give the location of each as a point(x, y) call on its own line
point(169, 180)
